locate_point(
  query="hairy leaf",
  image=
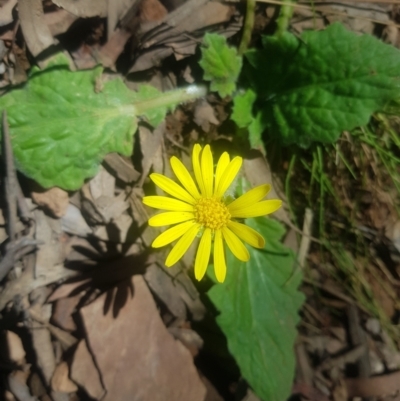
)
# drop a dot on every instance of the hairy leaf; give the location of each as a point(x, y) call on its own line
point(258, 304)
point(63, 123)
point(313, 88)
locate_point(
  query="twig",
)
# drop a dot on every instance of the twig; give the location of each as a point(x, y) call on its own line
point(10, 180)
point(358, 338)
point(335, 292)
point(15, 249)
point(305, 239)
point(340, 361)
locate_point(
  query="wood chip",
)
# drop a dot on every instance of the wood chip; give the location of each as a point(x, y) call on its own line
point(15, 352)
point(55, 200)
point(60, 380)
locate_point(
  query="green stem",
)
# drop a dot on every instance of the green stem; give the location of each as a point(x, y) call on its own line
point(247, 26)
point(171, 98)
point(284, 17)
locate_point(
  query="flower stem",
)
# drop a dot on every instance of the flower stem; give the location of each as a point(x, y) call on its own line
point(171, 98)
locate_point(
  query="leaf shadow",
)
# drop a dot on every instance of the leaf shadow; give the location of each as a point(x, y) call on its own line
point(106, 272)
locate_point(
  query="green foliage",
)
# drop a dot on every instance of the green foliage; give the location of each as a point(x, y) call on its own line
point(242, 112)
point(63, 123)
point(220, 63)
point(313, 88)
point(258, 304)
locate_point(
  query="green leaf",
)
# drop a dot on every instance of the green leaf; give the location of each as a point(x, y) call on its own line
point(259, 304)
point(242, 112)
point(63, 123)
point(313, 88)
point(220, 63)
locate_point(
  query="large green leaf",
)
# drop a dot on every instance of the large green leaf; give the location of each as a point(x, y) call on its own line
point(63, 123)
point(313, 88)
point(258, 304)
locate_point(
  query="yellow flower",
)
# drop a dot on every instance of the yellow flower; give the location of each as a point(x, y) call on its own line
point(202, 208)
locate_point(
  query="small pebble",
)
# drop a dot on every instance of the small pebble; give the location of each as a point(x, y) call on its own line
point(373, 326)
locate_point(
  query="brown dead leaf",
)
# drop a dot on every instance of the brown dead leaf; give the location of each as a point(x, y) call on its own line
point(211, 13)
point(59, 21)
point(113, 48)
point(6, 16)
point(85, 373)
point(102, 184)
point(36, 33)
point(191, 16)
point(121, 167)
point(204, 115)
point(84, 8)
point(117, 9)
point(60, 380)
point(152, 10)
point(55, 200)
point(74, 223)
point(166, 370)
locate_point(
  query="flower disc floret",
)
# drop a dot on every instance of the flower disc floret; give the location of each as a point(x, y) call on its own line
point(197, 207)
point(211, 213)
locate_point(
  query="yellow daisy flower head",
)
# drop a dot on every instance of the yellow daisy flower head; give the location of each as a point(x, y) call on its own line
point(199, 207)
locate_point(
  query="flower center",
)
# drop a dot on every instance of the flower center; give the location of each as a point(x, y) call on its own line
point(211, 213)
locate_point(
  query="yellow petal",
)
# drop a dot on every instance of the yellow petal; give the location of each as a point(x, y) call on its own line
point(203, 255)
point(182, 245)
point(259, 209)
point(172, 188)
point(228, 176)
point(172, 234)
point(247, 234)
point(219, 257)
point(207, 170)
point(167, 218)
point(163, 202)
point(184, 177)
point(221, 167)
point(196, 167)
point(235, 245)
point(250, 197)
